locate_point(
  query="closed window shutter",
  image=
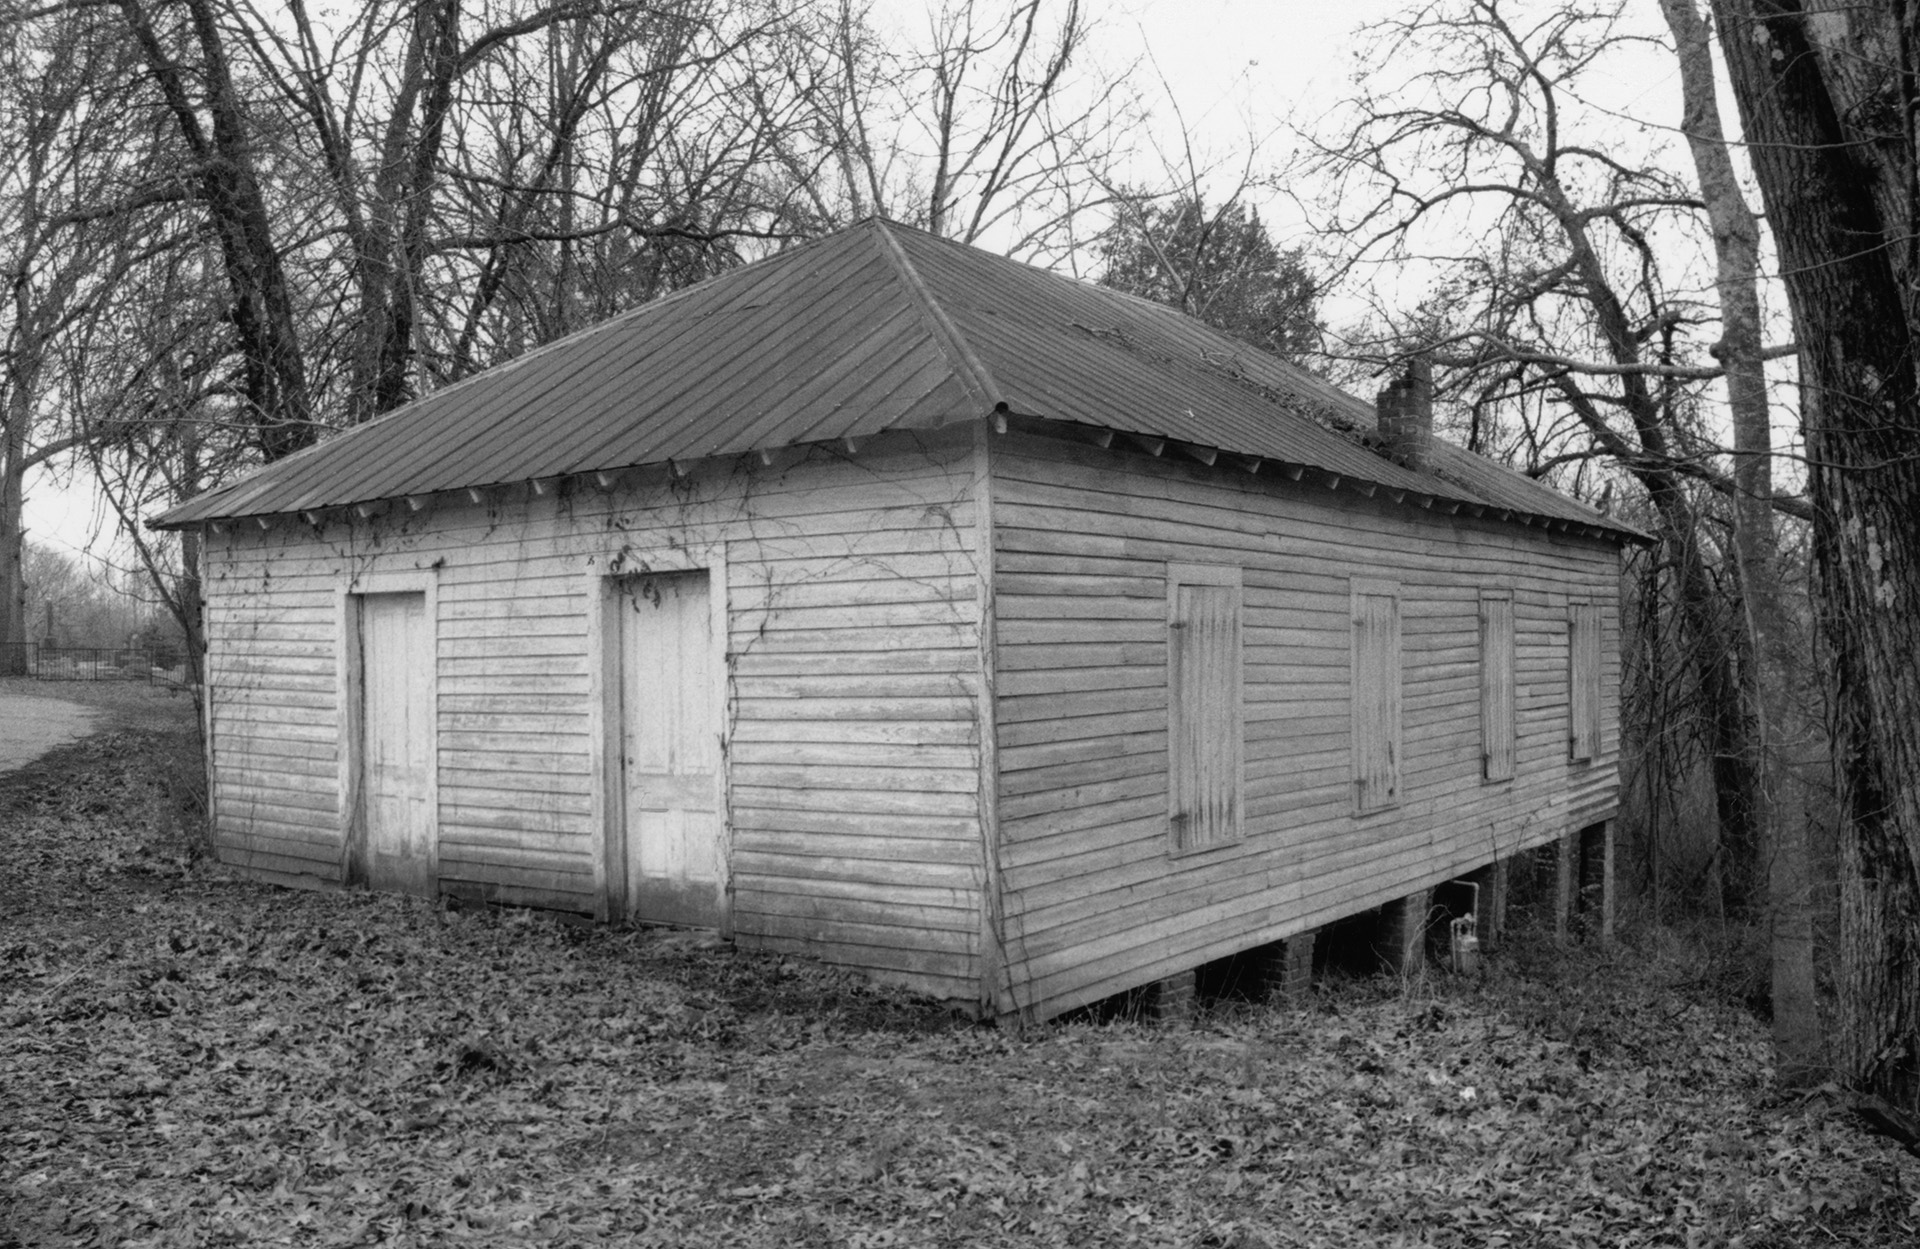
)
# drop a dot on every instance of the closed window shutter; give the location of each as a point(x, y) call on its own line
point(1496, 687)
point(1204, 738)
point(1376, 696)
point(1583, 680)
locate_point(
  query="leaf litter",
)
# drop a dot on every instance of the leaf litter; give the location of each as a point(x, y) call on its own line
point(187, 1058)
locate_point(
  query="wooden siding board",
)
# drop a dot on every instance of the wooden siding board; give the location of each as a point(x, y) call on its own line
point(1041, 781)
point(266, 859)
point(1017, 734)
point(1043, 684)
point(753, 794)
point(1095, 903)
point(865, 916)
point(908, 741)
point(1079, 750)
point(815, 819)
point(802, 869)
point(849, 576)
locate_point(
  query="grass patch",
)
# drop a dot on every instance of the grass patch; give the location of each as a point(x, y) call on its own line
point(190, 1059)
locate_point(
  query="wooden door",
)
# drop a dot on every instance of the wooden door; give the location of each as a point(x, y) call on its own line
point(395, 820)
point(668, 865)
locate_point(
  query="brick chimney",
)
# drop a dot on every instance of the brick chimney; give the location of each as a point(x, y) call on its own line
point(1405, 416)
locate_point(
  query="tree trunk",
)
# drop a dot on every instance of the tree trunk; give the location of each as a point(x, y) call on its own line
point(1710, 644)
point(1845, 247)
point(229, 186)
point(13, 587)
point(1778, 814)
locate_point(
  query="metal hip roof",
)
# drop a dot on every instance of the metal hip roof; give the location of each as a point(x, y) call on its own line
point(875, 327)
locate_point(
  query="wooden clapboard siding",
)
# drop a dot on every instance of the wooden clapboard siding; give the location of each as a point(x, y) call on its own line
point(1095, 902)
point(853, 650)
point(855, 744)
point(272, 707)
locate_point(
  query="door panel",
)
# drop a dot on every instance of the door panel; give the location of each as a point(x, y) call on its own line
point(669, 750)
point(396, 665)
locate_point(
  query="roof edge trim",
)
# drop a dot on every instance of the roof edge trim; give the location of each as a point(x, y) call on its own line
point(1598, 525)
point(968, 369)
point(1402, 497)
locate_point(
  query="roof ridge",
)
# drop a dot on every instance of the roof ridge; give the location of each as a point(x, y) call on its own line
point(968, 369)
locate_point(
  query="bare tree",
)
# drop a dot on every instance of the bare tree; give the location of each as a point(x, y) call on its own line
point(470, 154)
point(643, 172)
point(62, 82)
point(339, 209)
point(1824, 95)
point(342, 247)
point(1218, 265)
point(1548, 250)
point(58, 590)
point(1779, 818)
point(993, 127)
point(80, 603)
point(159, 414)
point(379, 181)
point(187, 51)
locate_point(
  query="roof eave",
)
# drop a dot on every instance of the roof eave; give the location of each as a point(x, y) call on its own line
point(1425, 492)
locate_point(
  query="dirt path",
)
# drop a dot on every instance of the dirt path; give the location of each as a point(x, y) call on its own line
point(32, 724)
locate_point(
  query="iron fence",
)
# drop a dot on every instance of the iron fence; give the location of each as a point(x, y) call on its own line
point(155, 666)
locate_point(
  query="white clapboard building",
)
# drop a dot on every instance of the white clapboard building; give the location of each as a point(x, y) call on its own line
point(888, 601)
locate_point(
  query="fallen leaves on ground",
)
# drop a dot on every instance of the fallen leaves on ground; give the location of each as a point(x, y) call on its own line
point(191, 1059)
